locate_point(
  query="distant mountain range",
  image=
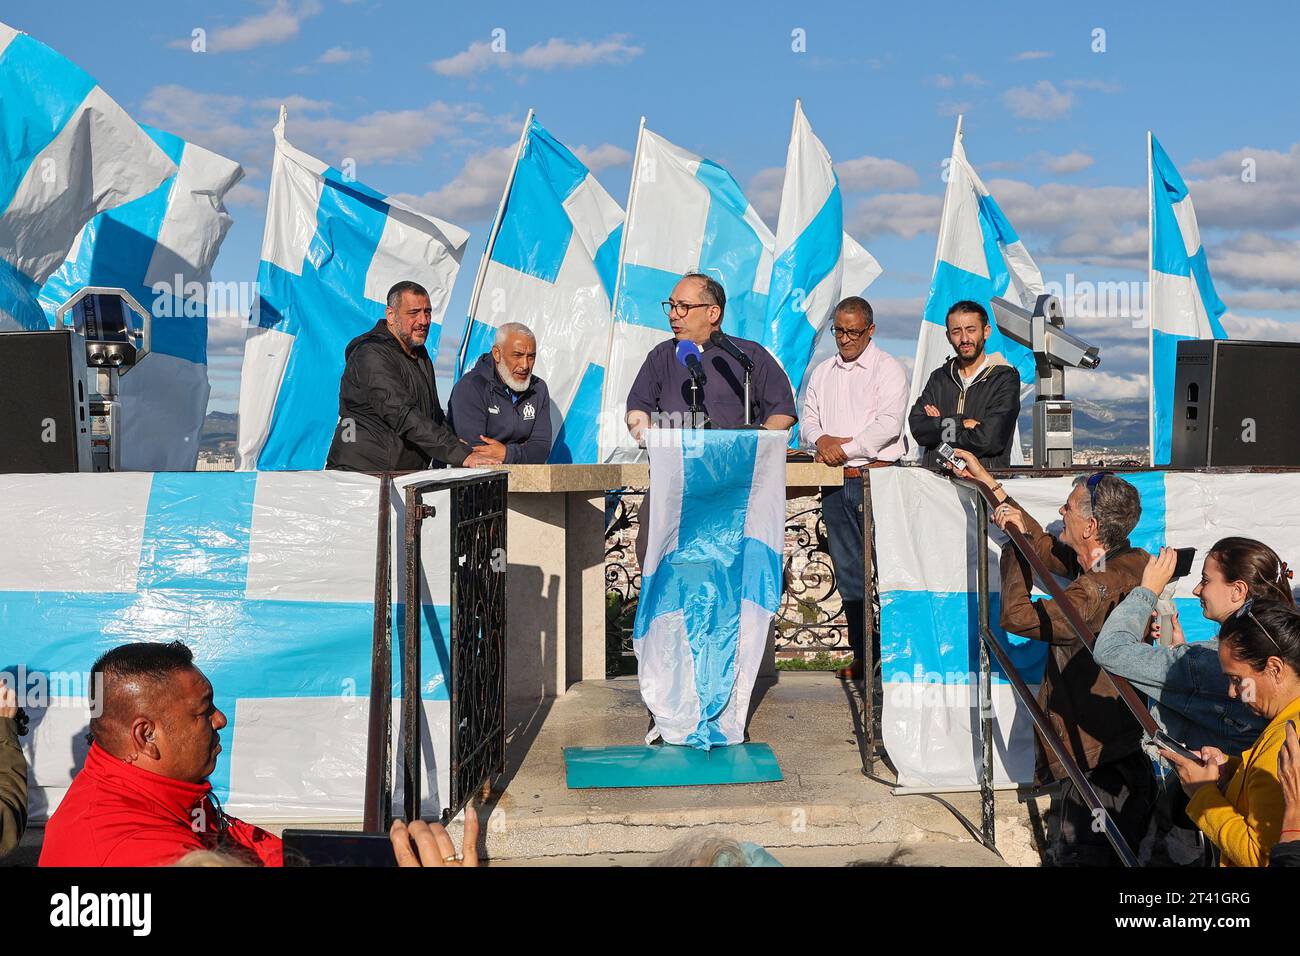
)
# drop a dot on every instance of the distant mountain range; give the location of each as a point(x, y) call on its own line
point(1113, 425)
point(220, 433)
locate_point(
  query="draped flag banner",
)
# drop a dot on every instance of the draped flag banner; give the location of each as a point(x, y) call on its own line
point(67, 153)
point(712, 579)
point(979, 256)
point(816, 263)
point(550, 264)
point(927, 546)
point(160, 248)
point(331, 250)
point(268, 578)
point(684, 214)
point(1182, 302)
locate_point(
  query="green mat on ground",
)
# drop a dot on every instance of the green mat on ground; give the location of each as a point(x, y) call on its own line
point(668, 766)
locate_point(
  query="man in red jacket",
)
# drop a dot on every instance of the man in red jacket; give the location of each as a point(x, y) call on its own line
point(143, 798)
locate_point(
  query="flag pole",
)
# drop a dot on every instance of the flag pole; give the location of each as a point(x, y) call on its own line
point(1151, 367)
point(487, 250)
point(618, 280)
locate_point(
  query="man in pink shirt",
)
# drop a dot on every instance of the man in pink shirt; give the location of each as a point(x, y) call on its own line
point(854, 412)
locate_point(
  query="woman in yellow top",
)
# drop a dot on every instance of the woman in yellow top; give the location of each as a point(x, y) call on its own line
point(1237, 801)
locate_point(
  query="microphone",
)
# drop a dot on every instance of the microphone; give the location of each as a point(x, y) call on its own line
point(732, 349)
point(688, 354)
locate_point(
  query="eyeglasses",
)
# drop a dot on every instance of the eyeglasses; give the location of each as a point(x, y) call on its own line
point(1093, 482)
point(1245, 609)
point(682, 309)
point(851, 334)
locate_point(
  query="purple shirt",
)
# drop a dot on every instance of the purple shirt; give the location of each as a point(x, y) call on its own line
point(664, 384)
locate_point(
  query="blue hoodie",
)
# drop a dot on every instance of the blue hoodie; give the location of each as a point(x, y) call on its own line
point(481, 404)
point(1186, 683)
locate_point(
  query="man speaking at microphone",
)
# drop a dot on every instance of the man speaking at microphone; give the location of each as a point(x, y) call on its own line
point(661, 395)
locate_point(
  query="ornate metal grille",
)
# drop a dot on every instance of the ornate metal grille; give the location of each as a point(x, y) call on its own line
point(478, 635)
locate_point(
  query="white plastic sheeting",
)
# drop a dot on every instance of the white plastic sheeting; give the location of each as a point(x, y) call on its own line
point(269, 578)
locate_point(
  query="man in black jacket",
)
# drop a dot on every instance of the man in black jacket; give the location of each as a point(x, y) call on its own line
point(972, 401)
point(390, 418)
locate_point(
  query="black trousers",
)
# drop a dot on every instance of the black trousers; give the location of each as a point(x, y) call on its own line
point(1077, 837)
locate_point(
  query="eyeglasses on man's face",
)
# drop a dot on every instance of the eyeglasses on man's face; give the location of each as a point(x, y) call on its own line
point(851, 334)
point(682, 309)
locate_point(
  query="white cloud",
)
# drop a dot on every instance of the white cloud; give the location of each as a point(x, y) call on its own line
point(555, 54)
point(1255, 259)
point(474, 193)
point(1031, 55)
point(242, 194)
point(1042, 101)
point(1096, 86)
point(943, 81)
point(1102, 386)
point(856, 175)
point(241, 128)
point(873, 172)
point(1069, 163)
point(903, 214)
point(277, 25)
point(604, 156)
point(1224, 201)
point(338, 54)
point(1261, 328)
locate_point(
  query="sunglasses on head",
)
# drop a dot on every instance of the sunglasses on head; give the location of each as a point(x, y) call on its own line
point(1093, 482)
point(1245, 610)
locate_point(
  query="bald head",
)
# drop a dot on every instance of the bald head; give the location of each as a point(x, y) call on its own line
point(153, 708)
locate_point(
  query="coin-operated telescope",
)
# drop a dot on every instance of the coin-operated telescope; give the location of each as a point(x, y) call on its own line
point(1042, 331)
point(103, 317)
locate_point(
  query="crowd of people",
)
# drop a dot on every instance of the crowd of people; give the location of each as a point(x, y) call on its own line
point(142, 796)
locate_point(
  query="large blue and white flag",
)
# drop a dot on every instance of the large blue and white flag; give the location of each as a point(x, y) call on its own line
point(550, 264)
point(332, 249)
point(816, 263)
point(160, 248)
point(67, 153)
point(685, 214)
point(268, 577)
point(712, 579)
point(978, 256)
point(1181, 303)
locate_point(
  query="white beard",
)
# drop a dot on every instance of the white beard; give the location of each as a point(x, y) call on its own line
point(511, 382)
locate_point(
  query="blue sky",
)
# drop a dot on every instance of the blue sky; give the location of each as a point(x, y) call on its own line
point(412, 94)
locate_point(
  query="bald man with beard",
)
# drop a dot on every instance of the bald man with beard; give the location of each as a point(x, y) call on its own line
point(143, 798)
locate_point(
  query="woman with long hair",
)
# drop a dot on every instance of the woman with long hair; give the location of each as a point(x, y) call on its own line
point(1189, 690)
point(1237, 802)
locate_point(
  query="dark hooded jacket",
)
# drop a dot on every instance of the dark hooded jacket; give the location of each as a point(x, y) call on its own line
point(992, 399)
point(390, 418)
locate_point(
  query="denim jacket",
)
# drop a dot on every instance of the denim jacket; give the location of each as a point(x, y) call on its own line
point(1186, 684)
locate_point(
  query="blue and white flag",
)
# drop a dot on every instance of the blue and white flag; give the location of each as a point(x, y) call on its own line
point(332, 249)
point(550, 264)
point(1182, 302)
point(67, 153)
point(685, 214)
point(712, 579)
point(160, 248)
point(269, 578)
point(816, 264)
point(979, 256)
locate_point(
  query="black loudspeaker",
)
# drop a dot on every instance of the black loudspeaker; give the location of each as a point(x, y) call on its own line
point(44, 418)
point(1235, 404)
